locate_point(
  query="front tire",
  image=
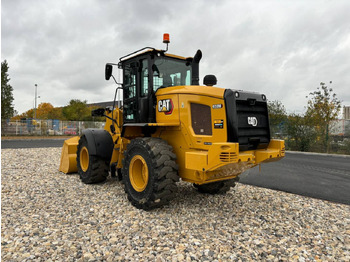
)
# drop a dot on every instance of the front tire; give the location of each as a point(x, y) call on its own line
point(149, 173)
point(92, 169)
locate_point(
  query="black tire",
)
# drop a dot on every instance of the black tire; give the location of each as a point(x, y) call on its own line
point(149, 173)
point(220, 187)
point(92, 169)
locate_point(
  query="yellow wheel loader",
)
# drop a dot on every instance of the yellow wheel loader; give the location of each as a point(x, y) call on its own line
point(169, 127)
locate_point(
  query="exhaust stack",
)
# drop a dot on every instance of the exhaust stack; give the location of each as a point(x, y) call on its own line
point(195, 68)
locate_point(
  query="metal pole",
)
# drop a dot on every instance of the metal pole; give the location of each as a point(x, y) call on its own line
point(36, 89)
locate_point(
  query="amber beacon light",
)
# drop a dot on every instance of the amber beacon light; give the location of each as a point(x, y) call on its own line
point(166, 38)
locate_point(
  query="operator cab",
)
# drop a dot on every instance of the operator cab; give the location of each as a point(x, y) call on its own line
point(144, 72)
point(143, 75)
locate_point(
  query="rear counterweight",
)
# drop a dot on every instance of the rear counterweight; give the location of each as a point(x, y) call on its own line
point(247, 119)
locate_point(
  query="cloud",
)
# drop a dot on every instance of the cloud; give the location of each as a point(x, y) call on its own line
point(282, 49)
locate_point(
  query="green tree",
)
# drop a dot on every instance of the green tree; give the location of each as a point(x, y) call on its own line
point(277, 117)
point(323, 107)
point(7, 109)
point(301, 133)
point(77, 110)
point(56, 113)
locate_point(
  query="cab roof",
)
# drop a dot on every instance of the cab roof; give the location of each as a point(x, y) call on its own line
point(146, 50)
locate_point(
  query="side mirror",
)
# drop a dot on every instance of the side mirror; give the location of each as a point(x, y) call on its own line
point(108, 71)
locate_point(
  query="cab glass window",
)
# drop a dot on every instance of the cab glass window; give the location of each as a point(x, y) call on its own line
point(130, 110)
point(144, 78)
point(129, 83)
point(170, 72)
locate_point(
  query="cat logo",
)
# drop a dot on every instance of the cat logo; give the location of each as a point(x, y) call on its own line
point(166, 106)
point(252, 120)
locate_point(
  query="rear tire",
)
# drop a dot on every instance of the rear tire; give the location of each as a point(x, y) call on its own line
point(149, 173)
point(220, 187)
point(92, 169)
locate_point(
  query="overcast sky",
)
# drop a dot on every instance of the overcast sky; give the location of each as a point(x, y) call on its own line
point(283, 49)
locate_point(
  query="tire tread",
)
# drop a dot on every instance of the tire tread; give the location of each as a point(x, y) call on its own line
point(98, 167)
point(165, 173)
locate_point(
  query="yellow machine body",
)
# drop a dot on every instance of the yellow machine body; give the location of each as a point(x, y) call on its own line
point(193, 119)
point(205, 158)
point(170, 127)
point(202, 158)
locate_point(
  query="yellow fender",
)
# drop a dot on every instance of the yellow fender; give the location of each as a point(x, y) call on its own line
point(69, 155)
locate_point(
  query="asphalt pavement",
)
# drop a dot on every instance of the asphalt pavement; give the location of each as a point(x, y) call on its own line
point(31, 143)
point(319, 176)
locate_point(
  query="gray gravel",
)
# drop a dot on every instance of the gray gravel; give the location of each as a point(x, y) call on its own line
point(50, 216)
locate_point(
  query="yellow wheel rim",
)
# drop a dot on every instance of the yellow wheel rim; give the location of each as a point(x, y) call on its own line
point(138, 173)
point(84, 159)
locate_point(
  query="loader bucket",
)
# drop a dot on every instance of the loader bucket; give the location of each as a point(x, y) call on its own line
point(69, 155)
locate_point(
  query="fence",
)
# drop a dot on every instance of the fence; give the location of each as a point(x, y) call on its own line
point(46, 127)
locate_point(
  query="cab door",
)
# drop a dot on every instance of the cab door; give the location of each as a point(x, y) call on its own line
point(130, 105)
point(138, 100)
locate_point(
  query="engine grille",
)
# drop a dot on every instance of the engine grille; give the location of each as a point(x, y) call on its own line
point(227, 157)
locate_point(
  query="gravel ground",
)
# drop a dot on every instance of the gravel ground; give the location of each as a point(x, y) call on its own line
point(50, 216)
